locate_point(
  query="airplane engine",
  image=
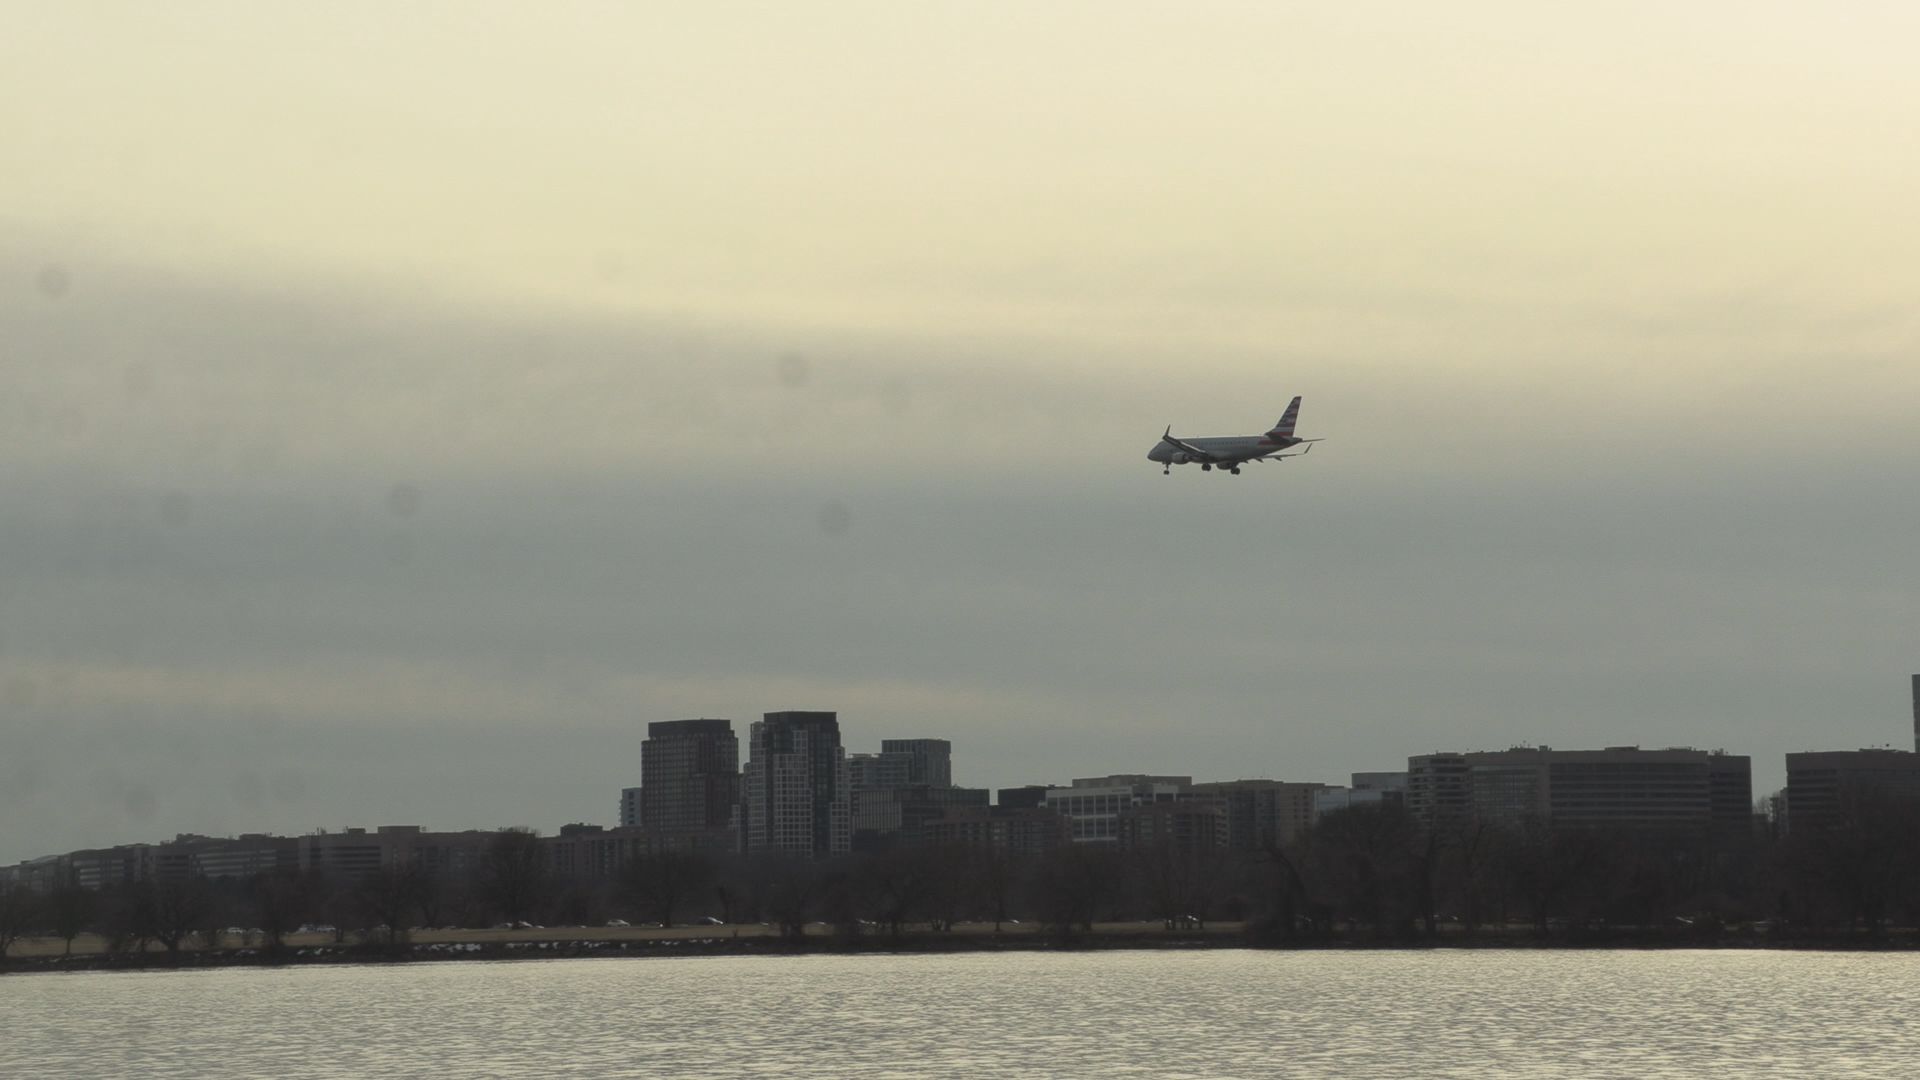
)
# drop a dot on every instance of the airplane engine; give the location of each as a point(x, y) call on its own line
point(1181, 459)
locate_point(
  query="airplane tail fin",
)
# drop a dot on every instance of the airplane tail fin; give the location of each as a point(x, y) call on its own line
point(1285, 426)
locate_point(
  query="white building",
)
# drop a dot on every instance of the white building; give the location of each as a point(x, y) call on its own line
point(1093, 806)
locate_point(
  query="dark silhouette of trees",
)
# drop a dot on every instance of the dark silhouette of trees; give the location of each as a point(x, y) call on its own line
point(281, 900)
point(1074, 885)
point(994, 874)
point(19, 907)
point(70, 911)
point(659, 884)
point(1281, 921)
point(166, 910)
point(791, 889)
point(387, 900)
point(512, 874)
point(1177, 883)
point(893, 885)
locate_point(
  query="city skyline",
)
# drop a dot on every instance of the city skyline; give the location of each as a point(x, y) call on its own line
point(13, 849)
point(698, 819)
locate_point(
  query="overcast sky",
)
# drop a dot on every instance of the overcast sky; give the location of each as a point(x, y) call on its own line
point(402, 406)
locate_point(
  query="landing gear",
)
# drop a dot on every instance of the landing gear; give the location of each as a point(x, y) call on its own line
point(1204, 467)
point(1166, 470)
point(1235, 470)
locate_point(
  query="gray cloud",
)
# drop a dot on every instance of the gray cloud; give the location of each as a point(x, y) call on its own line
point(287, 555)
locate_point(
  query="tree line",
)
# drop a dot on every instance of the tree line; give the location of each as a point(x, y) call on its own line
point(1367, 874)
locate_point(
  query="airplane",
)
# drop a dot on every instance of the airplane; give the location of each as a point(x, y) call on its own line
point(1229, 452)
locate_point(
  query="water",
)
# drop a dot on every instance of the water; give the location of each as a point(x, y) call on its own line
point(1212, 1015)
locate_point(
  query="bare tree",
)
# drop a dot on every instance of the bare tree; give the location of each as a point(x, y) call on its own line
point(994, 874)
point(280, 903)
point(388, 898)
point(513, 874)
point(893, 883)
point(660, 883)
point(792, 888)
point(19, 906)
point(70, 910)
point(1073, 885)
point(174, 908)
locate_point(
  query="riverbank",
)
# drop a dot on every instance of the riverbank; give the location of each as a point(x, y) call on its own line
point(92, 954)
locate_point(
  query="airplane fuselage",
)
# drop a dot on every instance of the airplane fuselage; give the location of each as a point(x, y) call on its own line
point(1225, 450)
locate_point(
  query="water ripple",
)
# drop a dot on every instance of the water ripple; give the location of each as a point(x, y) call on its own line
point(1215, 1015)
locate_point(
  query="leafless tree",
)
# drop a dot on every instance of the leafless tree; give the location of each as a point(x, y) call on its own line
point(19, 907)
point(280, 903)
point(658, 884)
point(1074, 885)
point(388, 898)
point(70, 910)
point(513, 874)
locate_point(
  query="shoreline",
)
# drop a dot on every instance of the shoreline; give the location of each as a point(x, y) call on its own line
point(586, 943)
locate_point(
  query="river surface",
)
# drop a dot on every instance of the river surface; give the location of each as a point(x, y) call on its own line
point(1205, 1014)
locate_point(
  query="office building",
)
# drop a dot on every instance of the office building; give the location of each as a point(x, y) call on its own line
point(1368, 789)
point(898, 816)
point(1439, 792)
point(1263, 813)
point(1677, 789)
point(905, 763)
point(1012, 830)
point(1185, 826)
point(1092, 806)
point(1824, 788)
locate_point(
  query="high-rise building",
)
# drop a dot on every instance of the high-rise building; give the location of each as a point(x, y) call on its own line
point(927, 761)
point(689, 776)
point(630, 808)
point(897, 791)
point(795, 787)
point(898, 816)
point(904, 763)
point(1916, 712)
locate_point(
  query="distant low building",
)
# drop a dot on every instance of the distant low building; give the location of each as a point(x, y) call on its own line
point(1821, 784)
point(1093, 805)
point(1626, 787)
point(1026, 796)
point(1263, 813)
point(1368, 789)
point(355, 853)
point(1014, 830)
point(1186, 826)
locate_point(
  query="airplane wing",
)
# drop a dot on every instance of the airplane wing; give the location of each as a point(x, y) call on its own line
point(1192, 451)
